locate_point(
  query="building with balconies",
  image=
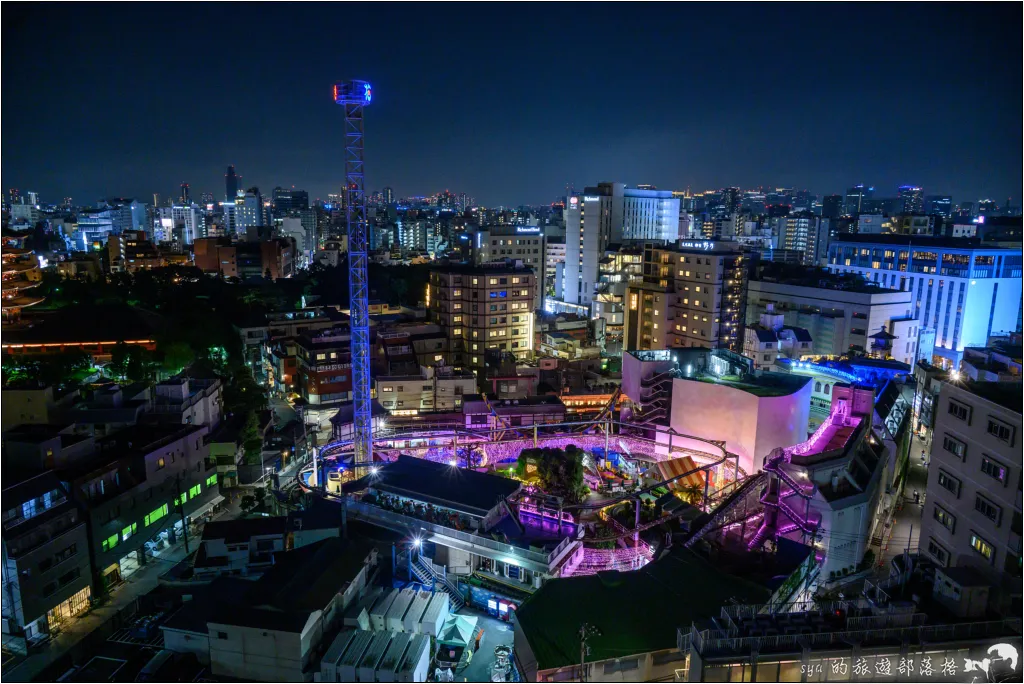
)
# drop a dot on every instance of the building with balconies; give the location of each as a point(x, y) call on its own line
point(481, 308)
point(21, 276)
point(46, 569)
point(694, 295)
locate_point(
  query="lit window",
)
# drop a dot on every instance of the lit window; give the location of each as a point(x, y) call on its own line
point(982, 547)
point(110, 542)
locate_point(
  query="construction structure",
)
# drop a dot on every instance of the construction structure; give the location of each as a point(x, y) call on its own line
point(354, 96)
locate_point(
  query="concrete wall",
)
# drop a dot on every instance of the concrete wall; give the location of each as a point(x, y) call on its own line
point(751, 426)
point(258, 654)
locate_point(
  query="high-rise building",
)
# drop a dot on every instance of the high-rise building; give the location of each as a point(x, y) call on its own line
point(939, 205)
point(963, 289)
point(855, 198)
point(608, 214)
point(524, 243)
point(972, 510)
point(694, 295)
point(185, 196)
point(832, 206)
point(481, 309)
point(805, 233)
point(389, 196)
point(250, 213)
point(230, 184)
point(911, 199)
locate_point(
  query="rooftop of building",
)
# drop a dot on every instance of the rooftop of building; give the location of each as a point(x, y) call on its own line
point(463, 268)
point(474, 403)
point(299, 582)
point(634, 612)
point(87, 324)
point(926, 241)
point(795, 275)
point(438, 483)
point(243, 529)
point(1004, 394)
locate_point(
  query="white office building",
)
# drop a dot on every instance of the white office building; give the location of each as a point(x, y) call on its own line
point(611, 213)
point(966, 290)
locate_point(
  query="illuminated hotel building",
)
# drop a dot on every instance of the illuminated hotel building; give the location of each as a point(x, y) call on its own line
point(481, 308)
point(519, 243)
point(963, 288)
point(611, 213)
point(690, 296)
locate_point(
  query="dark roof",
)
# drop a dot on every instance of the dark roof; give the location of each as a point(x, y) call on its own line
point(473, 269)
point(99, 323)
point(635, 612)
point(440, 484)
point(763, 334)
point(262, 618)
point(922, 241)
point(882, 335)
point(801, 334)
point(306, 578)
point(320, 516)
point(242, 530)
point(34, 433)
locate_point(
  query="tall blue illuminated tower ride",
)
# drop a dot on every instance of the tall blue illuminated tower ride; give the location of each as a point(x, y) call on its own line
point(354, 96)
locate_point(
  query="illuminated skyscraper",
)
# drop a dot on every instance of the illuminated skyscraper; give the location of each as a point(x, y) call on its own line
point(185, 195)
point(911, 199)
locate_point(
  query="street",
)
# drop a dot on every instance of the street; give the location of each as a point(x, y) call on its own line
point(906, 525)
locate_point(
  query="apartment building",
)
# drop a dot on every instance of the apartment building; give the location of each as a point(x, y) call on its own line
point(137, 487)
point(435, 389)
point(323, 362)
point(483, 308)
point(972, 513)
point(693, 295)
point(46, 570)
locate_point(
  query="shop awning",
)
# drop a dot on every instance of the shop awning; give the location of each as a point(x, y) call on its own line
point(206, 507)
point(678, 466)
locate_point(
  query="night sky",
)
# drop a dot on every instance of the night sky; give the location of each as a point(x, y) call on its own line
point(510, 103)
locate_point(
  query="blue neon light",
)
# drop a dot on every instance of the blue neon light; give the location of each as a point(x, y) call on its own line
point(367, 92)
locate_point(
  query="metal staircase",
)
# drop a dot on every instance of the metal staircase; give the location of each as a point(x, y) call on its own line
point(427, 575)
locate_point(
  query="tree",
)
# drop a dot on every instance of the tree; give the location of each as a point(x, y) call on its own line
point(252, 439)
point(177, 355)
point(248, 503)
point(119, 359)
point(560, 471)
point(692, 493)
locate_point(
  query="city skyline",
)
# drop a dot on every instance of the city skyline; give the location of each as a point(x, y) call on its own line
point(516, 128)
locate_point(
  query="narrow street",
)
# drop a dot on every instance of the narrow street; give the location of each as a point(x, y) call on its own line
point(139, 583)
point(906, 526)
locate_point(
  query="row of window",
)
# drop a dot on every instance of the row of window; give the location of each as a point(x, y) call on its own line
point(989, 466)
point(995, 427)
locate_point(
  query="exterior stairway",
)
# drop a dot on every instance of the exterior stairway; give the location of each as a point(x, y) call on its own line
point(428, 576)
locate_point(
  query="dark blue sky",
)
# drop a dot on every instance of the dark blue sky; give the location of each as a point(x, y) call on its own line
point(509, 103)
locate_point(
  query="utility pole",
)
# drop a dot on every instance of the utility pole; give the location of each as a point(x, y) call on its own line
point(586, 631)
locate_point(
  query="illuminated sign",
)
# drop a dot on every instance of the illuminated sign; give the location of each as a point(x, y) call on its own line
point(367, 92)
point(697, 244)
point(528, 230)
point(591, 198)
point(574, 200)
